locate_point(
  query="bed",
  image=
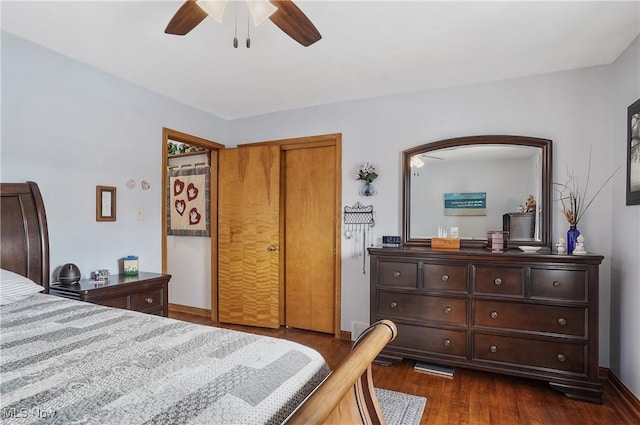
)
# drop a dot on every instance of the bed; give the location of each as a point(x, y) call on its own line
point(65, 361)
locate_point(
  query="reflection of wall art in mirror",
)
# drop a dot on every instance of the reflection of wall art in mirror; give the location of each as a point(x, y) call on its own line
point(633, 154)
point(503, 167)
point(474, 203)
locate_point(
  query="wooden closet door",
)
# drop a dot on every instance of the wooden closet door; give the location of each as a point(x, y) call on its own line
point(310, 229)
point(248, 236)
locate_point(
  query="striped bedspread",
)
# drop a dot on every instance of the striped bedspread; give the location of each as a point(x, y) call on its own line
point(69, 362)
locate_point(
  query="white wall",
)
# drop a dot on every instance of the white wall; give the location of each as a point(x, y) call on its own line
point(625, 228)
point(70, 127)
point(189, 264)
point(571, 108)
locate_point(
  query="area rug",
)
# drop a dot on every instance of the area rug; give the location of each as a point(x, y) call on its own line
point(400, 408)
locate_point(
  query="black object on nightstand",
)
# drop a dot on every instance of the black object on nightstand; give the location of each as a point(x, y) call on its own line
point(146, 292)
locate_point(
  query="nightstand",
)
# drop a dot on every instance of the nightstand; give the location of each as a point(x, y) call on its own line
point(146, 292)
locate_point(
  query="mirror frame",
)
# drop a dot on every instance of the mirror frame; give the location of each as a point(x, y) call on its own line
point(544, 144)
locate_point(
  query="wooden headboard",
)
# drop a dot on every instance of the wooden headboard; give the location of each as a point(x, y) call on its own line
point(24, 235)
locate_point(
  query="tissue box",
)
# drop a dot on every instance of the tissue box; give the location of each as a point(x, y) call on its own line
point(131, 265)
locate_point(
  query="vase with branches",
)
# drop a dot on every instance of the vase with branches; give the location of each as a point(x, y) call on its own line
point(575, 201)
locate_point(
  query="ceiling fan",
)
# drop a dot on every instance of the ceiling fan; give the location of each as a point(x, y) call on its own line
point(284, 13)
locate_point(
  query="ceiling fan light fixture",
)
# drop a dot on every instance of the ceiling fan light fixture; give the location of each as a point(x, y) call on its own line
point(416, 162)
point(214, 8)
point(260, 10)
point(286, 16)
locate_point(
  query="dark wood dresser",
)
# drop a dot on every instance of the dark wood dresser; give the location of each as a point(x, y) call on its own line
point(146, 292)
point(533, 315)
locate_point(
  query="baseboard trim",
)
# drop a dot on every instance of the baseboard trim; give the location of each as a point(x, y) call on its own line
point(196, 311)
point(630, 401)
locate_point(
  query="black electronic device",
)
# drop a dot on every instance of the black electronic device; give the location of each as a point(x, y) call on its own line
point(391, 241)
point(68, 274)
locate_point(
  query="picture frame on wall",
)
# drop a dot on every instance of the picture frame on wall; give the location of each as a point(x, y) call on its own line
point(633, 154)
point(105, 203)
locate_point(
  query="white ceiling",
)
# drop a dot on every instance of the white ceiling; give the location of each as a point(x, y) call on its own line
point(368, 49)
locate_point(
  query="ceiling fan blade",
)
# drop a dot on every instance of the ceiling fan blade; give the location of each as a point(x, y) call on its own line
point(186, 18)
point(290, 19)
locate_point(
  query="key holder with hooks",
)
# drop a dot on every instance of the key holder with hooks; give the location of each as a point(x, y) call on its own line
point(358, 221)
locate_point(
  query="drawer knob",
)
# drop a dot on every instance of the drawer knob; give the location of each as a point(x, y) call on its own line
point(562, 357)
point(446, 342)
point(493, 349)
point(447, 310)
point(497, 281)
point(556, 284)
point(494, 314)
point(149, 300)
point(393, 304)
point(396, 274)
point(562, 321)
point(444, 277)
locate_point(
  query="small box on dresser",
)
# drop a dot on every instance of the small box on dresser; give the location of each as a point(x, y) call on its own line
point(497, 240)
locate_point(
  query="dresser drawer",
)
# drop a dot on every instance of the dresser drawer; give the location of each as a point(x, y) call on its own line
point(148, 300)
point(559, 284)
point(499, 281)
point(431, 340)
point(531, 353)
point(422, 307)
point(529, 317)
point(444, 277)
point(122, 302)
point(398, 274)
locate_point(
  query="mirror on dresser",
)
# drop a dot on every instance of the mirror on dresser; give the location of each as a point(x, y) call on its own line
point(478, 184)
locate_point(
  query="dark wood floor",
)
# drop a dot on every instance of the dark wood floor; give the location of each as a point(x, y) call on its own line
point(470, 397)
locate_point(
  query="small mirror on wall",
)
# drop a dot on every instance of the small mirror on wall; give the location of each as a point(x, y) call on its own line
point(105, 203)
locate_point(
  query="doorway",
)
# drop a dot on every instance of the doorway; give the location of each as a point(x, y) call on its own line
point(191, 260)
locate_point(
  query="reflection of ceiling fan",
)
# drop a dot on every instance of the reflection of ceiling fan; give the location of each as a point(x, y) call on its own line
point(286, 15)
point(424, 155)
point(416, 162)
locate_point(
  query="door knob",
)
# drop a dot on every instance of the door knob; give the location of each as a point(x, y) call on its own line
point(272, 248)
